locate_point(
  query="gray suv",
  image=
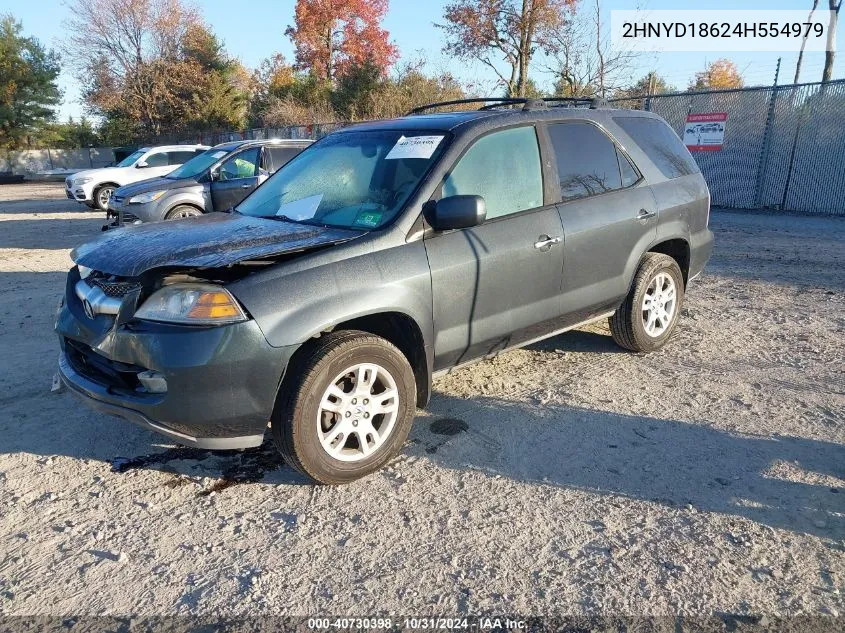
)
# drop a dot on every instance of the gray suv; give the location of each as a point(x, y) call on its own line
point(383, 255)
point(215, 180)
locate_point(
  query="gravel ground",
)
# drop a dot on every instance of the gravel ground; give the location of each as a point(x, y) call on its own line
point(567, 478)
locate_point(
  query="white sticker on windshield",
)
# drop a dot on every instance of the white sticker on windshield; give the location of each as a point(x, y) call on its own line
point(302, 209)
point(414, 147)
point(219, 154)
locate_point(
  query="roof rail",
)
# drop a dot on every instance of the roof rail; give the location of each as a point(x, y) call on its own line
point(528, 104)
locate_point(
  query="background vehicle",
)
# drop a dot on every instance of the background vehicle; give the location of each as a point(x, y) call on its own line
point(215, 180)
point(95, 186)
point(387, 253)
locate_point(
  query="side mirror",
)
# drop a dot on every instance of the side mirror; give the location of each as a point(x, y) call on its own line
point(214, 174)
point(458, 212)
point(141, 164)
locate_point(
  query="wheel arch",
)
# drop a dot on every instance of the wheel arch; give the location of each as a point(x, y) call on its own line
point(398, 328)
point(182, 203)
point(678, 249)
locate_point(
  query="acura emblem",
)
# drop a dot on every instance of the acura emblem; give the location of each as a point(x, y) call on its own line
point(89, 309)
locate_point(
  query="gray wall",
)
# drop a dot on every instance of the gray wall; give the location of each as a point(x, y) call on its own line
point(31, 162)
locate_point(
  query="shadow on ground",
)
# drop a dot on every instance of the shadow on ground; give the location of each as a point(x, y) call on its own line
point(649, 458)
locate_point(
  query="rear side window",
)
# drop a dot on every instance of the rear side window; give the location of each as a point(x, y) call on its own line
point(279, 156)
point(630, 175)
point(158, 159)
point(661, 145)
point(180, 158)
point(503, 168)
point(587, 161)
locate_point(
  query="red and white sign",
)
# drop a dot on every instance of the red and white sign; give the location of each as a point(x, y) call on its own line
point(705, 132)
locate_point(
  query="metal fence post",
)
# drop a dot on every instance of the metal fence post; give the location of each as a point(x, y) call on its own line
point(762, 165)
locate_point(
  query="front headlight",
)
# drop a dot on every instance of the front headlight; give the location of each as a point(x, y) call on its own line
point(150, 196)
point(82, 181)
point(193, 304)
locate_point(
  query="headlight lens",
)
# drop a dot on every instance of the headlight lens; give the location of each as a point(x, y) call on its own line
point(82, 181)
point(150, 196)
point(194, 304)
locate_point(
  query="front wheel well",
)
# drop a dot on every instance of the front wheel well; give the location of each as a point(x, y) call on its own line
point(404, 333)
point(678, 249)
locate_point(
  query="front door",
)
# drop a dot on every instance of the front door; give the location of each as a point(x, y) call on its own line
point(235, 179)
point(493, 285)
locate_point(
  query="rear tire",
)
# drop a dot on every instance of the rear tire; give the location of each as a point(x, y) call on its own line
point(649, 315)
point(182, 211)
point(346, 408)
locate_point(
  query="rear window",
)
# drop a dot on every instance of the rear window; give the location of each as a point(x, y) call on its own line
point(660, 144)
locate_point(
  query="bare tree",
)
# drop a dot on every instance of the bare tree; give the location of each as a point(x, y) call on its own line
point(830, 53)
point(584, 62)
point(804, 43)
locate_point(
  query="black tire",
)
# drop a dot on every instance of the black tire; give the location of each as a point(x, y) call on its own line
point(181, 211)
point(101, 200)
point(626, 324)
point(294, 421)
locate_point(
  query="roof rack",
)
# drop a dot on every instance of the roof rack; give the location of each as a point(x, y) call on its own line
point(528, 103)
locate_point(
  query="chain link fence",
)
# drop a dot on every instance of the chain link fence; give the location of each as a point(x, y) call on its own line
point(784, 146)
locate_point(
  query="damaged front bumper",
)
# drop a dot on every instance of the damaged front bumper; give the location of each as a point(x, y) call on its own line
point(214, 387)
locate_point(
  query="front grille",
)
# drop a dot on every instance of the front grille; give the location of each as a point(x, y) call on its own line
point(129, 217)
point(116, 289)
point(100, 369)
point(110, 285)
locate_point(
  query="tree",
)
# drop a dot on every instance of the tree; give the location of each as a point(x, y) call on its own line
point(127, 55)
point(804, 43)
point(66, 135)
point(584, 62)
point(720, 74)
point(830, 52)
point(334, 36)
point(512, 31)
point(28, 89)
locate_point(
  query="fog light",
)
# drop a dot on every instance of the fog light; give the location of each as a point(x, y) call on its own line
point(153, 381)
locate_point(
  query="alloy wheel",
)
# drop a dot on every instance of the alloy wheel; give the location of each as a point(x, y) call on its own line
point(357, 412)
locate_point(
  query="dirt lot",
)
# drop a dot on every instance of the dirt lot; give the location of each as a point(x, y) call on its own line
point(565, 478)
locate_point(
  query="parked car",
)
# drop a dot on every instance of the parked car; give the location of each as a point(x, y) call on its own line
point(386, 254)
point(215, 180)
point(94, 187)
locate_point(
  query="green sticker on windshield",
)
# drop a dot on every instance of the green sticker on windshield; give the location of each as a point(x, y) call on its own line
point(367, 218)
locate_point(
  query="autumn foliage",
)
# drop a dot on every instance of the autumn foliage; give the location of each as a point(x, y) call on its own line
point(333, 36)
point(720, 74)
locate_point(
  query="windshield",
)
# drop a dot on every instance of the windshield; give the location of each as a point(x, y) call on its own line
point(349, 179)
point(130, 160)
point(198, 164)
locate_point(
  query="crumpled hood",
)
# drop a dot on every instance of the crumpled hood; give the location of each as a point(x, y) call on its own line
point(155, 184)
point(209, 241)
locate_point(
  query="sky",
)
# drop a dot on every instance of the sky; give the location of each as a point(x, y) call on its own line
point(254, 30)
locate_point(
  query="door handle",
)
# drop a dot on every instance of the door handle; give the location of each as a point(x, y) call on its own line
point(545, 241)
point(246, 186)
point(645, 214)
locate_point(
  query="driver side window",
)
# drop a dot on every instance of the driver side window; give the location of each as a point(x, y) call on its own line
point(504, 168)
point(241, 165)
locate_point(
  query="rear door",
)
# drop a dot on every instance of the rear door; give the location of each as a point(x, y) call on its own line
point(497, 284)
point(608, 215)
point(237, 176)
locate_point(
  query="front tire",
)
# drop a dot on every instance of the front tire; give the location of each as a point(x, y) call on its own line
point(649, 315)
point(102, 195)
point(182, 211)
point(346, 408)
